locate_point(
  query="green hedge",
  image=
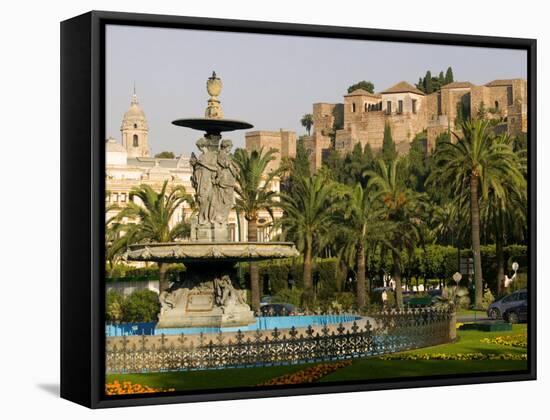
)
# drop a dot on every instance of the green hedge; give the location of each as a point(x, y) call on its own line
point(325, 270)
point(432, 264)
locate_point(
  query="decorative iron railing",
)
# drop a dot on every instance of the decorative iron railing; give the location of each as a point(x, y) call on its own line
point(389, 332)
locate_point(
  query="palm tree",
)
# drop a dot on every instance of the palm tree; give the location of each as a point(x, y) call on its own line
point(360, 217)
point(116, 237)
point(475, 164)
point(404, 209)
point(307, 122)
point(308, 219)
point(153, 215)
point(255, 193)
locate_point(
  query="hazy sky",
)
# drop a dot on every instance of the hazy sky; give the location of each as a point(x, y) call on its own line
point(269, 80)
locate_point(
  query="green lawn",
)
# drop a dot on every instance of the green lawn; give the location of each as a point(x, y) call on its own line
point(468, 342)
point(366, 368)
point(480, 313)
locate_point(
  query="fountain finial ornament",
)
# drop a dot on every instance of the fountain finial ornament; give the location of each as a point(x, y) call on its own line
point(214, 88)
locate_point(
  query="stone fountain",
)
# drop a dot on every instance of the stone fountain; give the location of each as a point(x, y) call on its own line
point(207, 296)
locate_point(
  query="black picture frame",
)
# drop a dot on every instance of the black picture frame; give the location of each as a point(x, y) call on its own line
point(82, 202)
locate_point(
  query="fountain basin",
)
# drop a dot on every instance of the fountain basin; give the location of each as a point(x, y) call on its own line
point(211, 251)
point(261, 324)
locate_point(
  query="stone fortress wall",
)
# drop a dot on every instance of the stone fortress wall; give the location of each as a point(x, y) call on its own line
point(362, 116)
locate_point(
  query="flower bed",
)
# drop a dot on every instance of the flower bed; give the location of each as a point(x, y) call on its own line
point(455, 356)
point(308, 375)
point(127, 388)
point(508, 340)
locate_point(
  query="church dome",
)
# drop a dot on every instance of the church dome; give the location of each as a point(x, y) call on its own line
point(134, 117)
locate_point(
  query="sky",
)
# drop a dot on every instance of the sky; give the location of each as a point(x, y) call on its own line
point(270, 81)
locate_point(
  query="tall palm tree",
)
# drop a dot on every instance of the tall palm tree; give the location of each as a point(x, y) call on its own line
point(153, 215)
point(475, 164)
point(404, 209)
point(308, 219)
point(255, 193)
point(307, 122)
point(362, 226)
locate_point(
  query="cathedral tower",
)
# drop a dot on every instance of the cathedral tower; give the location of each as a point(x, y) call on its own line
point(135, 130)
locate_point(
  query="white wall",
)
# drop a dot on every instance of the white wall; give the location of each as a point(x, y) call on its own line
point(30, 78)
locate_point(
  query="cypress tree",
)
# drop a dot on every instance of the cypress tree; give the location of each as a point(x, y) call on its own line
point(388, 146)
point(420, 84)
point(428, 87)
point(441, 79)
point(449, 78)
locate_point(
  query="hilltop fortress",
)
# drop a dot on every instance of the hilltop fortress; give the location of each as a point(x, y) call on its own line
point(362, 116)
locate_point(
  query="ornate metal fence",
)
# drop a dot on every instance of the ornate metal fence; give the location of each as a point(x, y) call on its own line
point(389, 332)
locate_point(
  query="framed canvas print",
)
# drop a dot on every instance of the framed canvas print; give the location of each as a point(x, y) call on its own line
point(254, 209)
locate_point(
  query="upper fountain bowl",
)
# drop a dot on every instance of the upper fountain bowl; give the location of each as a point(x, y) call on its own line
point(212, 125)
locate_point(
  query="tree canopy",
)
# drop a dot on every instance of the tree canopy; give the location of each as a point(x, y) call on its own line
point(363, 84)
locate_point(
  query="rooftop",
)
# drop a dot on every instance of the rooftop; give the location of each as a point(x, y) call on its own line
point(501, 82)
point(363, 92)
point(457, 85)
point(403, 87)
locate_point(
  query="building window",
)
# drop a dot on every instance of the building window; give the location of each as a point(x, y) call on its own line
point(414, 106)
point(439, 111)
point(136, 140)
point(115, 198)
point(353, 107)
point(135, 125)
point(388, 107)
point(367, 106)
point(400, 107)
point(496, 105)
point(123, 198)
point(510, 95)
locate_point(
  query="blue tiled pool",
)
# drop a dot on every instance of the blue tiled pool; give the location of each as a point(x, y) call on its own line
point(262, 323)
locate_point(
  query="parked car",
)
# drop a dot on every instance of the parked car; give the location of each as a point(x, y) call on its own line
point(516, 314)
point(265, 300)
point(278, 309)
point(498, 307)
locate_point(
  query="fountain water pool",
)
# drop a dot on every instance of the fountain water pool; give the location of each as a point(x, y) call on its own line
point(262, 323)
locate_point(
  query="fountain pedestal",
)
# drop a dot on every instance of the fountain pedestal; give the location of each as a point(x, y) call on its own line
point(206, 298)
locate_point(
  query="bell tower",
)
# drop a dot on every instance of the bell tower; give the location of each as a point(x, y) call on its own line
point(135, 130)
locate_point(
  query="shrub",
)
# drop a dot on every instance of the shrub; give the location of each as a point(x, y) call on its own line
point(141, 306)
point(114, 307)
point(344, 301)
point(292, 296)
